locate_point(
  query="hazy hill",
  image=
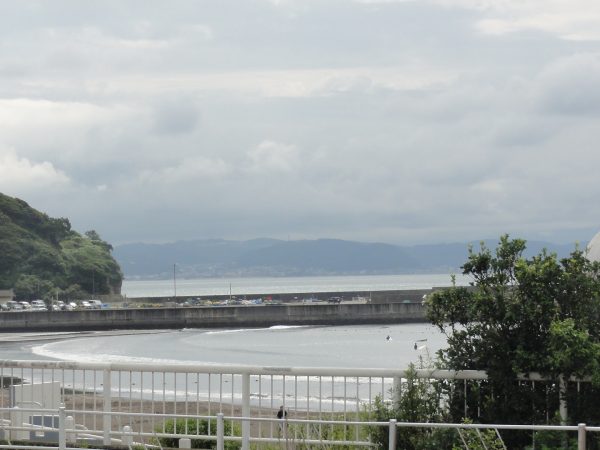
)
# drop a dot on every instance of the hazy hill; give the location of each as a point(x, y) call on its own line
point(272, 257)
point(41, 255)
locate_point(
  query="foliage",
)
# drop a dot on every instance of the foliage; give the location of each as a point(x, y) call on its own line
point(416, 400)
point(196, 427)
point(326, 432)
point(477, 439)
point(43, 257)
point(556, 440)
point(520, 316)
point(31, 287)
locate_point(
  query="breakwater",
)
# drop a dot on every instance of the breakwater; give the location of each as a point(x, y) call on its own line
point(384, 296)
point(212, 317)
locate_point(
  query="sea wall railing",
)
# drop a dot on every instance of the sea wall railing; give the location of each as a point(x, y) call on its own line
point(106, 400)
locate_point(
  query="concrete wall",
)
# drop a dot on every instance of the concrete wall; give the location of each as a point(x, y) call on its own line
point(211, 317)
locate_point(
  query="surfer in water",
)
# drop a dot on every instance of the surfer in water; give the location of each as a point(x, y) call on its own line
point(388, 338)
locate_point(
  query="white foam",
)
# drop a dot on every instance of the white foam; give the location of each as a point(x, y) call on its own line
point(242, 330)
point(286, 327)
point(48, 351)
point(237, 330)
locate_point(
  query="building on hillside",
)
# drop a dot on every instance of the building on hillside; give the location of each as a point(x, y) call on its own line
point(6, 295)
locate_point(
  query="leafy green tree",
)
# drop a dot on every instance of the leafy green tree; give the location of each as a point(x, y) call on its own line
point(33, 244)
point(416, 400)
point(73, 292)
point(30, 287)
point(519, 316)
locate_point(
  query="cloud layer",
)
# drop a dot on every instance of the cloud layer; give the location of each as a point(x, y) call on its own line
point(376, 120)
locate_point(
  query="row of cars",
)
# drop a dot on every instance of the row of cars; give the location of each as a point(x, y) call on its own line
point(41, 305)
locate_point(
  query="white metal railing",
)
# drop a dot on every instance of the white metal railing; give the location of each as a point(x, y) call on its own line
point(69, 436)
point(104, 398)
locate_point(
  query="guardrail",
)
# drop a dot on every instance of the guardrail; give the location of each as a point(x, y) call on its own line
point(105, 398)
point(68, 435)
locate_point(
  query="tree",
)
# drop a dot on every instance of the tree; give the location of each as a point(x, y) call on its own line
point(416, 400)
point(31, 287)
point(96, 239)
point(520, 316)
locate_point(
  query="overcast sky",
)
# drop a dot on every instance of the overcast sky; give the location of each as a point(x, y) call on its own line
point(406, 122)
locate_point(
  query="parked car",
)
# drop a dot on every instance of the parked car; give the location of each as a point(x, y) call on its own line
point(95, 304)
point(38, 305)
point(14, 306)
point(58, 305)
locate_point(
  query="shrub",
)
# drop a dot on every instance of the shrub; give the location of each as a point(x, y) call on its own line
point(196, 427)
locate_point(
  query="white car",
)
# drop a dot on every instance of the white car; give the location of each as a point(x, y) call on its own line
point(95, 304)
point(14, 306)
point(38, 305)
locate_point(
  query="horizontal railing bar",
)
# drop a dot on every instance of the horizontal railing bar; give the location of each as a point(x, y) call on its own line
point(302, 421)
point(441, 374)
point(487, 426)
point(38, 447)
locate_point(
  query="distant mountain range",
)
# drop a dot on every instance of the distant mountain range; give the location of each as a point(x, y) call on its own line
point(272, 257)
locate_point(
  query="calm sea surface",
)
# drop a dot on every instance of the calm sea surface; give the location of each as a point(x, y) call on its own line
point(364, 346)
point(358, 346)
point(242, 286)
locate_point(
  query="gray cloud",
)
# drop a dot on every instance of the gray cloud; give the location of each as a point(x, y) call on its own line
point(402, 122)
point(176, 116)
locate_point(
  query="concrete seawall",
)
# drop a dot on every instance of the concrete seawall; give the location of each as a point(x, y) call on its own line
point(212, 317)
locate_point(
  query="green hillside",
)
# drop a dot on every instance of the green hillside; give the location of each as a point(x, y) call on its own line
point(41, 257)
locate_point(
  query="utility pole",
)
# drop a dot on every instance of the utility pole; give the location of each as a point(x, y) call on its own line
point(174, 281)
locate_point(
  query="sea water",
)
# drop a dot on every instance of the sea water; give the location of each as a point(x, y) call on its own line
point(274, 285)
point(353, 346)
point(350, 346)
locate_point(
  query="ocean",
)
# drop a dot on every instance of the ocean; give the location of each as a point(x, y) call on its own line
point(274, 285)
point(353, 346)
point(350, 347)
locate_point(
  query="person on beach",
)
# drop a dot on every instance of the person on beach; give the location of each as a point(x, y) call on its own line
point(282, 413)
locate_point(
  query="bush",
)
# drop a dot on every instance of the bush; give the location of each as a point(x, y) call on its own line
point(418, 401)
point(196, 427)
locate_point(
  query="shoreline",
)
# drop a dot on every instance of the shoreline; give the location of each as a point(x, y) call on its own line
point(10, 337)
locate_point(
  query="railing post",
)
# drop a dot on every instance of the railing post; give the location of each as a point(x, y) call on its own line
point(62, 433)
point(581, 436)
point(246, 411)
point(220, 432)
point(106, 406)
point(70, 427)
point(397, 391)
point(392, 435)
point(562, 398)
point(127, 438)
